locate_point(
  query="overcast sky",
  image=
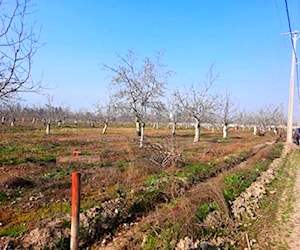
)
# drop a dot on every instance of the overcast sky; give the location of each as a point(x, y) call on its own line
point(242, 38)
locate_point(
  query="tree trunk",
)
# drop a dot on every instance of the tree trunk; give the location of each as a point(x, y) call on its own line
point(255, 130)
point(48, 128)
point(105, 128)
point(138, 127)
point(173, 128)
point(142, 130)
point(225, 131)
point(197, 131)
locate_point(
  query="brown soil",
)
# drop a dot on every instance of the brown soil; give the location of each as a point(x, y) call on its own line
point(211, 190)
point(111, 163)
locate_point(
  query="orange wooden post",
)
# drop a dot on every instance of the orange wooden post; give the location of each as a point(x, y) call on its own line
point(75, 210)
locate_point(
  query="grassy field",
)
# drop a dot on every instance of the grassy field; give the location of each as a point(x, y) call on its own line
point(167, 188)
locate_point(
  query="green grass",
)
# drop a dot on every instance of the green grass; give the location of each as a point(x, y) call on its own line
point(205, 209)
point(18, 155)
point(149, 243)
point(196, 171)
point(3, 196)
point(165, 237)
point(105, 164)
point(277, 207)
point(13, 231)
point(58, 174)
point(152, 180)
point(62, 244)
point(236, 183)
point(276, 151)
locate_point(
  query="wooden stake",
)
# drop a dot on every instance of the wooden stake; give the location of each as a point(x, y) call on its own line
point(75, 210)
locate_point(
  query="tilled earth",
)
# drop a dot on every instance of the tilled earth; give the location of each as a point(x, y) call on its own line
point(36, 188)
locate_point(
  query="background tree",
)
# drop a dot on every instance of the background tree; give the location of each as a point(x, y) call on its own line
point(199, 103)
point(18, 44)
point(267, 117)
point(175, 115)
point(137, 86)
point(229, 113)
point(107, 113)
point(159, 116)
point(242, 119)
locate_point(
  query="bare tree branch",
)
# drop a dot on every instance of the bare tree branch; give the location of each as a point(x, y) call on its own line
point(198, 103)
point(137, 86)
point(18, 43)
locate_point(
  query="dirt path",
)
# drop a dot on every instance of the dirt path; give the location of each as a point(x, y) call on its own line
point(294, 240)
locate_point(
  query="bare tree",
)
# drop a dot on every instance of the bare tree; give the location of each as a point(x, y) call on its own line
point(228, 114)
point(106, 113)
point(267, 117)
point(18, 43)
point(199, 103)
point(159, 116)
point(175, 114)
point(138, 86)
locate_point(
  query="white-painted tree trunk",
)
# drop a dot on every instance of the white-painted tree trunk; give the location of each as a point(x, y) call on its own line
point(197, 131)
point(173, 128)
point(255, 130)
point(138, 128)
point(225, 131)
point(105, 128)
point(48, 128)
point(142, 130)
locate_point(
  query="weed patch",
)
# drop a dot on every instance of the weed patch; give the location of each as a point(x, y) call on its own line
point(58, 174)
point(164, 237)
point(234, 184)
point(3, 196)
point(13, 231)
point(276, 151)
point(205, 209)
